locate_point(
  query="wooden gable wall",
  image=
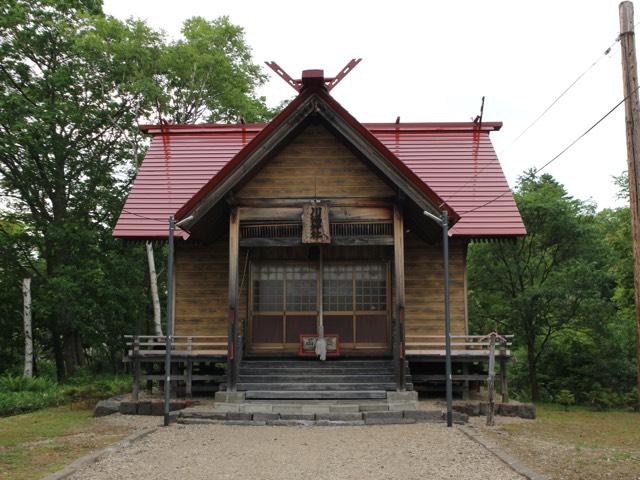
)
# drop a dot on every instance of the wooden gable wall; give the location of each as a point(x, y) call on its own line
point(315, 165)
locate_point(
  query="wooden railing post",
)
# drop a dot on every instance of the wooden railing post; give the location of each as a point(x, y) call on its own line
point(504, 387)
point(136, 368)
point(491, 380)
point(188, 386)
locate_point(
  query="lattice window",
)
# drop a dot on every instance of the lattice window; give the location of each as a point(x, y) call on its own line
point(371, 287)
point(282, 230)
point(379, 229)
point(338, 288)
point(301, 288)
point(268, 288)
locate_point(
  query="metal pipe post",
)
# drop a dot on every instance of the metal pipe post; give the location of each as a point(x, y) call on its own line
point(169, 328)
point(447, 318)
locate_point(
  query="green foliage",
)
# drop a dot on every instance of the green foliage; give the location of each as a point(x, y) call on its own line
point(551, 282)
point(74, 85)
point(18, 383)
point(565, 398)
point(603, 399)
point(20, 394)
point(14, 403)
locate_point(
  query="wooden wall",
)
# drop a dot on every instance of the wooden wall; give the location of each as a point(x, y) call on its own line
point(315, 164)
point(424, 288)
point(202, 284)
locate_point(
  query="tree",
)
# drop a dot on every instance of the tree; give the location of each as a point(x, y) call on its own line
point(545, 283)
point(74, 84)
point(209, 75)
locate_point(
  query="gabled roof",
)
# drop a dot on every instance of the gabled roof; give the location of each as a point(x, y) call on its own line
point(313, 101)
point(450, 164)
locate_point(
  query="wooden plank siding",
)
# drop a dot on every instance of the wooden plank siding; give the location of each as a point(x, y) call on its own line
point(202, 284)
point(424, 288)
point(315, 165)
point(202, 287)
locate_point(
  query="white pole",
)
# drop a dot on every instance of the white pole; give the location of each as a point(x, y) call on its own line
point(28, 334)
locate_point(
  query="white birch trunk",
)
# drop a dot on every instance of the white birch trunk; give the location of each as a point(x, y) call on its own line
point(153, 279)
point(28, 335)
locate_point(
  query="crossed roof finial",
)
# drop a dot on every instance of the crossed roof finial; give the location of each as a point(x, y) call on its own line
point(329, 82)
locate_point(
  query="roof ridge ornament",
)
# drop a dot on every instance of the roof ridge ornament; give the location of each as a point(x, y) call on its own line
point(313, 76)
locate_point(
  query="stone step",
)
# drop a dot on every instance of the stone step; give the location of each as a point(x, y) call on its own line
point(322, 394)
point(319, 418)
point(317, 378)
point(312, 372)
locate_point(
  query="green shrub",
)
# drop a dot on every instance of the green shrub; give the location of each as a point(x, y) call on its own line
point(15, 383)
point(96, 388)
point(630, 400)
point(603, 399)
point(21, 396)
point(565, 398)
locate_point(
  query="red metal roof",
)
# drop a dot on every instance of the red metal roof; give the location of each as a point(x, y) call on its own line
point(455, 160)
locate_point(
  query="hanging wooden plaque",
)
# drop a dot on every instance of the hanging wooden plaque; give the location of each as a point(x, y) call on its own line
point(315, 224)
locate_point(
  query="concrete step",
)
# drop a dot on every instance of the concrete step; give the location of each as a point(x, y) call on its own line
point(299, 386)
point(322, 394)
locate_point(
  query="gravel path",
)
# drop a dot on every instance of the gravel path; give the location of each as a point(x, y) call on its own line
point(373, 452)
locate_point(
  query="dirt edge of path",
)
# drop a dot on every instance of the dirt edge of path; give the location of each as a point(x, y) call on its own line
point(507, 459)
point(95, 456)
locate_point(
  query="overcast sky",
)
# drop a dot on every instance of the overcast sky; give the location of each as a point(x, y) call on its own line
point(434, 60)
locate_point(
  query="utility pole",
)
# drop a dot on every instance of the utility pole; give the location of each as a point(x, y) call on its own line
point(632, 117)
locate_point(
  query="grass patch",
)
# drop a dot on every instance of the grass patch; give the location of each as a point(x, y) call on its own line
point(582, 427)
point(575, 444)
point(38, 443)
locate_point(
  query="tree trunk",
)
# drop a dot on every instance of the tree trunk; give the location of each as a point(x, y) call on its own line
point(153, 280)
point(61, 373)
point(533, 370)
point(28, 335)
point(73, 352)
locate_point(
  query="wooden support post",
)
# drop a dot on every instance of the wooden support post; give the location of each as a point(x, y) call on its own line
point(234, 247)
point(136, 368)
point(149, 384)
point(398, 278)
point(189, 367)
point(632, 116)
point(465, 388)
point(491, 381)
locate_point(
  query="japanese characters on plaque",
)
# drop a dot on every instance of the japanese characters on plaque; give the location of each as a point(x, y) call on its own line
point(315, 223)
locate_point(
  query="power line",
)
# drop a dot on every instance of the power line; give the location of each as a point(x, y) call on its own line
point(562, 152)
point(564, 92)
point(496, 161)
point(545, 111)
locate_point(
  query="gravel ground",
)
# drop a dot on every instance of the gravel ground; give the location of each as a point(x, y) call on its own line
point(373, 452)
